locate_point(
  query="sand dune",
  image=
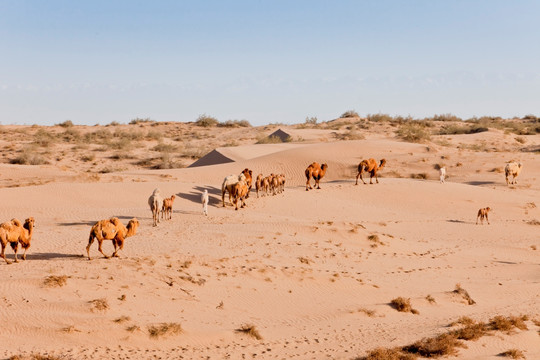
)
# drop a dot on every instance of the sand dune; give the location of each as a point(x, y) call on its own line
point(313, 271)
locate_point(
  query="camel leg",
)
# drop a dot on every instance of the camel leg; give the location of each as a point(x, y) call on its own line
point(25, 250)
point(308, 185)
point(3, 255)
point(100, 242)
point(376, 178)
point(15, 247)
point(90, 241)
point(318, 183)
point(223, 197)
point(362, 178)
point(487, 219)
point(357, 175)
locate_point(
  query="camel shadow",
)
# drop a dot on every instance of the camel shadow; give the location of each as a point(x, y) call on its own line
point(480, 183)
point(195, 195)
point(49, 256)
point(458, 221)
point(76, 223)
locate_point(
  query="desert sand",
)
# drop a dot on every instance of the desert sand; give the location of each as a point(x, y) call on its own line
point(313, 271)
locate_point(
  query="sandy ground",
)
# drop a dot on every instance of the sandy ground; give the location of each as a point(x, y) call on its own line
point(299, 265)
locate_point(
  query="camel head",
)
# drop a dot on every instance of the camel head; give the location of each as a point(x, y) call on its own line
point(132, 226)
point(29, 223)
point(324, 167)
point(383, 162)
point(173, 197)
point(156, 191)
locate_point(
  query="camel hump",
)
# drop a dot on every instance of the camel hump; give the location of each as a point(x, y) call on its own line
point(16, 222)
point(156, 191)
point(114, 220)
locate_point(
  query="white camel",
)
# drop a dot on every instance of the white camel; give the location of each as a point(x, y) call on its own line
point(156, 203)
point(204, 200)
point(228, 184)
point(512, 168)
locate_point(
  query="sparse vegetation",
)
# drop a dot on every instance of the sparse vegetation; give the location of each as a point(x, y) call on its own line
point(163, 329)
point(99, 305)
point(67, 123)
point(413, 132)
point(464, 294)
point(55, 281)
point(141, 121)
point(206, 121)
point(29, 156)
point(403, 305)
point(250, 330)
point(513, 353)
point(350, 114)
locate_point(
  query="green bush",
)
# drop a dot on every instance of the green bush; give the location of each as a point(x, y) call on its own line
point(413, 132)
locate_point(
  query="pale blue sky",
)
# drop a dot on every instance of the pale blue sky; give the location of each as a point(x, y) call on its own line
point(265, 61)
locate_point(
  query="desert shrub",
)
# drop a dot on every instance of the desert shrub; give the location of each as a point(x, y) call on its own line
point(350, 135)
point(311, 120)
point(166, 162)
point(131, 134)
point(271, 140)
point(43, 138)
point(430, 299)
point(55, 281)
point(100, 136)
point(508, 323)
point(441, 345)
point(234, 123)
point(420, 176)
point(154, 135)
point(29, 156)
point(141, 121)
point(379, 117)
point(88, 157)
point(250, 330)
point(206, 121)
point(531, 117)
point(471, 331)
point(67, 123)
point(387, 354)
point(413, 132)
point(349, 114)
point(445, 117)
point(162, 147)
point(513, 353)
point(461, 291)
point(71, 135)
point(162, 329)
point(403, 305)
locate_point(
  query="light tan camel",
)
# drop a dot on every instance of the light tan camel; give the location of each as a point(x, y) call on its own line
point(111, 229)
point(259, 183)
point(167, 207)
point(240, 191)
point(228, 184)
point(156, 204)
point(512, 168)
point(13, 232)
point(316, 172)
point(371, 167)
point(483, 213)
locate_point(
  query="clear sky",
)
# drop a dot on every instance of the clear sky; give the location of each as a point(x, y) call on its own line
point(266, 61)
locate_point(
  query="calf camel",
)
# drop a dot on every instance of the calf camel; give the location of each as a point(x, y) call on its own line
point(483, 213)
point(371, 167)
point(167, 207)
point(111, 229)
point(316, 172)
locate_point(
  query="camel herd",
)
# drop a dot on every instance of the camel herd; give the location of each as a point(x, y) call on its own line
point(237, 186)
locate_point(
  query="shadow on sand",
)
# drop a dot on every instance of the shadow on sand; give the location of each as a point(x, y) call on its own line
point(480, 183)
point(214, 195)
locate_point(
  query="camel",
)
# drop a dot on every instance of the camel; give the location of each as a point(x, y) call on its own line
point(442, 174)
point(483, 213)
point(316, 172)
point(371, 167)
point(266, 184)
point(13, 232)
point(167, 207)
point(111, 229)
point(228, 184)
point(512, 168)
point(240, 191)
point(249, 179)
point(259, 183)
point(204, 200)
point(156, 203)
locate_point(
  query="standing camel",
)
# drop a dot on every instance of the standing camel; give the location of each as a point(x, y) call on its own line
point(156, 203)
point(13, 232)
point(371, 167)
point(316, 172)
point(111, 229)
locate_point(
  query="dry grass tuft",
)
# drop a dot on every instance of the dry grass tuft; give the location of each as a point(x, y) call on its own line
point(421, 176)
point(250, 330)
point(508, 323)
point(403, 305)
point(304, 260)
point(441, 345)
point(162, 329)
point(133, 328)
point(430, 299)
point(122, 319)
point(33, 357)
point(387, 354)
point(55, 281)
point(472, 331)
point(99, 305)
point(461, 291)
point(533, 222)
point(513, 353)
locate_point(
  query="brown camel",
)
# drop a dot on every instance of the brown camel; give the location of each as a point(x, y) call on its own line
point(240, 191)
point(259, 183)
point(371, 167)
point(249, 179)
point(483, 213)
point(167, 207)
point(111, 229)
point(13, 232)
point(316, 172)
